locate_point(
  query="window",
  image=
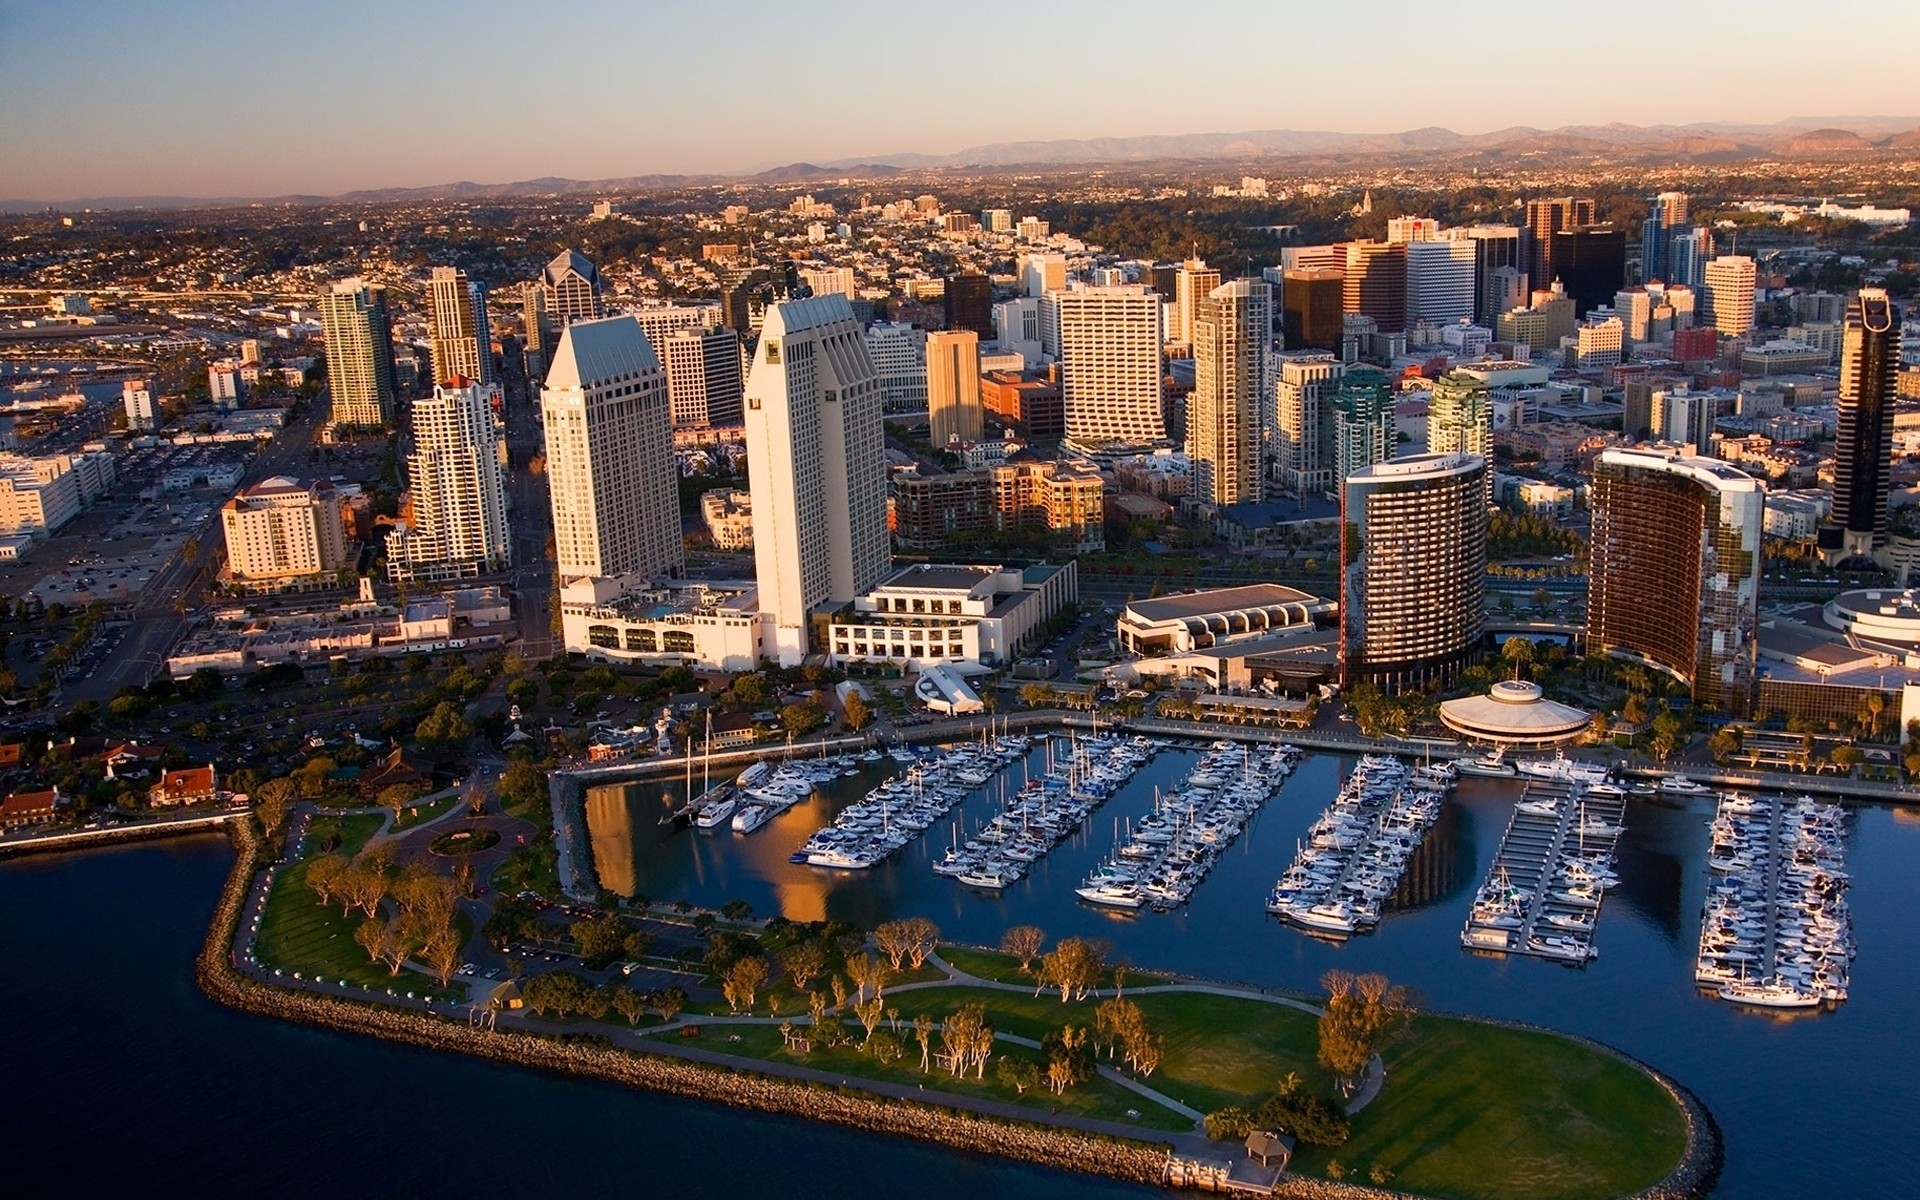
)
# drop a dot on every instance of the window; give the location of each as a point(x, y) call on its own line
point(642, 641)
point(677, 641)
point(773, 350)
point(605, 636)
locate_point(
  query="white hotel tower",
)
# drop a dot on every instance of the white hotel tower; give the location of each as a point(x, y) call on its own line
point(817, 466)
point(610, 464)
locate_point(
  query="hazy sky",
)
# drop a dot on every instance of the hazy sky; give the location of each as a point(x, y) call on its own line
point(244, 97)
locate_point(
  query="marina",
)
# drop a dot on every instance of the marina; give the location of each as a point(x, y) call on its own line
point(1776, 931)
point(1168, 853)
point(902, 808)
point(1554, 865)
point(1047, 809)
point(1357, 850)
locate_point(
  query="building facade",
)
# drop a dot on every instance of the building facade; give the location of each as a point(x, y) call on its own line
point(359, 336)
point(283, 532)
point(954, 410)
point(1227, 413)
point(1109, 345)
point(928, 615)
point(1728, 295)
point(1863, 454)
point(936, 512)
point(1303, 410)
point(462, 342)
point(704, 383)
point(456, 524)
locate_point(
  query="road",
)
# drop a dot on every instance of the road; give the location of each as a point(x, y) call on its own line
point(531, 515)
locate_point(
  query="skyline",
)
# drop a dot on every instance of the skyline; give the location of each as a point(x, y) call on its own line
point(204, 100)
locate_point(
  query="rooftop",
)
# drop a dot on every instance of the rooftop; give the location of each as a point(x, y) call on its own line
point(1215, 600)
point(1514, 712)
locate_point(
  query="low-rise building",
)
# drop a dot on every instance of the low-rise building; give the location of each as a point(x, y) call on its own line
point(22, 809)
point(692, 623)
point(933, 512)
point(728, 516)
point(39, 495)
point(190, 785)
point(281, 533)
point(1215, 617)
point(963, 616)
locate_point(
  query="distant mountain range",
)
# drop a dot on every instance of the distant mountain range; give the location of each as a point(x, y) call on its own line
point(1806, 138)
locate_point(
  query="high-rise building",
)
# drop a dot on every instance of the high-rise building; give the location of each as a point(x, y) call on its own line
point(1193, 283)
point(1412, 229)
point(1675, 575)
point(898, 353)
point(1042, 273)
point(1303, 422)
point(1016, 328)
point(1376, 283)
point(1666, 213)
point(280, 531)
point(1634, 307)
point(969, 304)
point(143, 416)
point(537, 332)
point(1413, 570)
point(1544, 218)
point(462, 343)
point(704, 382)
point(1502, 291)
point(1863, 454)
point(1364, 432)
point(610, 464)
point(1590, 261)
point(827, 281)
point(1687, 253)
point(1440, 281)
point(1494, 247)
point(455, 522)
point(1460, 416)
point(1110, 382)
point(1728, 295)
point(661, 321)
point(954, 412)
point(571, 287)
point(745, 293)
point(1226, 413)
point(1684, 417)
point(353, 319)
point(816, 463)
point(997, 220)
point(1311, 313)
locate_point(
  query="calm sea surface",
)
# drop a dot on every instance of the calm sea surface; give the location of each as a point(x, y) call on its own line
point(112, 1046)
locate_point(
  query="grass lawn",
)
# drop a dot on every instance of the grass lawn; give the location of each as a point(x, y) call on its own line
point(1004, 968)
point(420, 814)
point(1098, 1098)
point(299, 934)
point(1479, 1112)
point(353, 829)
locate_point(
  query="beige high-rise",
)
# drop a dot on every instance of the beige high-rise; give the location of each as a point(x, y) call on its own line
point(280, 529)
point(462, 342)
point(1232, 327)
point(954, 411)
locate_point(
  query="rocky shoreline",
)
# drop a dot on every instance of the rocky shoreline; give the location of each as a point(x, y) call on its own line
point(1137, 1162)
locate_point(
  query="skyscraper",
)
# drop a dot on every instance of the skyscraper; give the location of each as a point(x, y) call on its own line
point(1413, 569)
point(1863, 455)
point(537, 331)
point(1728, 296)
point(1193, 284)
point(898, 353)
point(1544, 218)
point(572, 290)
point(969, 304)
point(1494, 246)
point(1109, 341)
point(704, 383)
point(1675, 575)
point(462, 344)
point(954, 412)
point(1591, 261)
point(1231, 329)
point(1303, 399)
point(1460, 418)
point(457, 491)
point(1311, 300)
point(1440, 284)
point(1687, 254)
point(610, 465)
point(353, 319)
point(1363, 424)
point(1376, 283)
point(816, 462)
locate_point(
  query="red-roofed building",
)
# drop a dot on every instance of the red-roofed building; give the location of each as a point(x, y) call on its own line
point(130, 759)
point(193, 785)
point(21, 809)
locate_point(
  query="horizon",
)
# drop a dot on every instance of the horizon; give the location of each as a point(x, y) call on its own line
point(204, 100)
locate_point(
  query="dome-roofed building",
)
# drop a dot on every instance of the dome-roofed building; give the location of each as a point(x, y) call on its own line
point(1514, 713)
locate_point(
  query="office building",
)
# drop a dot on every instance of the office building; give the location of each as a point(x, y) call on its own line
point(1376, 283)
point(828, 281)
point(537, 333)
point(899, 356)
point(1192, 284)
point(1634, 307)
point(1303, 424)
point(1687, 255)
point(1546, 319)
point(1502, 291)
point(1684, 417)
point(969, 305)
point(1413, 570)
point(816, 463)
point(1110, 379)
point(1666, 214)
point(954, 412)
point(1412, 229)
point(454, 524)
point(143, 415)
point(610, 464)
point(1597, 341)
point(704, 383)
point(1863, 453)
point(1042, 273)
point(570, 287)
point(354, 321)
point(1033, 405)
point(225, 387)
point(461, 342)
point(1675, 577)
point(997, 220)
point(1311, 303)
point(1016, 328)
point(1494, 247)
point(1226, 413)
point(281, 532)
point(1727, 299)
point(661, 321)
point(1590, 263)
point(1440, 281)
point(1544, 219)
point(935, 512)
point(1364, 431)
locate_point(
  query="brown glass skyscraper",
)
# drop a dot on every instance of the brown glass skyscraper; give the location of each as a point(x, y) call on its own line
point(1376, 283)
point(969, 305)
point(1591, 263)
point(1544, 219)
point(1863, 457)
point(1310, 300)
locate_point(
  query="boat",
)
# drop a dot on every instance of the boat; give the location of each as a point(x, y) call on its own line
point(1493, 763)
point(1113, 895)
point(1680, 785)
point(716, 812)
point(1769, 995)
point(752, 816)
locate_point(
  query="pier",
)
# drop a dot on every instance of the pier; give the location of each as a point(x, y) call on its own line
point(1360, 846)
point(1775, 931)
point(1553, 868)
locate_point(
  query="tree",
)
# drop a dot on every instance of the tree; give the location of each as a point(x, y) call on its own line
point(804, 960)
point(869, 1013)
point(1724, 743)
point(966, 1040)
point(1362, 1013)
point(272, 802)
point(442, 954)
point(523, 786)
point(1668, 733)
point(324, 876)
point(1518, 652)
point(396, 797)
point(1074, 966)
point(743, 981)
point(803, 717)
point(1023, 942)
point(363, 885)
point(1036, 695)
point(600, 940)
point(629, 1004)
point(909, 939)
point(668, 1002)
point(1634, 711)
point(854, 712)
point(923, 1034)
point(864, 970)
point(1017, 1073)
point(1599, 728)
point(444, 730)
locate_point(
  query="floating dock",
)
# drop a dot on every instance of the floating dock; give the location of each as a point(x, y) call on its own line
point(1555, 863)
point(1775, 931)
